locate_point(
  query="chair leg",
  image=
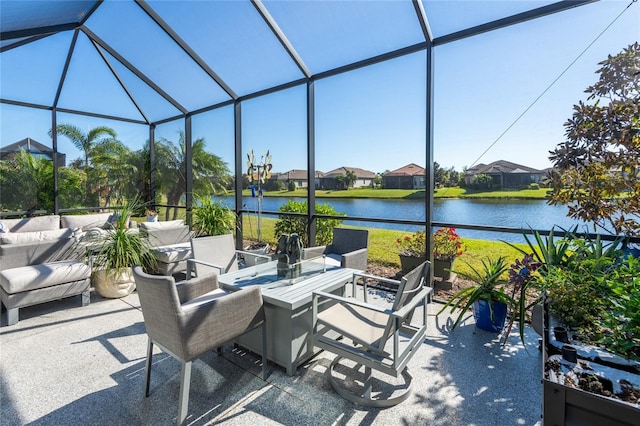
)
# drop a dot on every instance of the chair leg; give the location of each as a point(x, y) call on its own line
point(183, 405)
point(12, 316)
point(364, 398)
point(86, 297)
point(264, 351)
point(147, 367)
point(367, 382)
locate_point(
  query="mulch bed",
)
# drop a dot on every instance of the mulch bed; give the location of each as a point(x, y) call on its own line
point(440, 294)
point(595, 384)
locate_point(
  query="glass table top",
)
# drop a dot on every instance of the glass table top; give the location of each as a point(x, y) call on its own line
point(277, 274)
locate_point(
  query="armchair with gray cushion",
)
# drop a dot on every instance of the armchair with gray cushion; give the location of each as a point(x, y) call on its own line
point(192, 317)
point(169, 241)
point(372, 336)
point(348, 249)
point(217, 254)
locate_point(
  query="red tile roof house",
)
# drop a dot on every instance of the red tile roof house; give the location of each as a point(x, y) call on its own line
point(505, 174)
point(298, 176)
point(328, 181)
point(410, 176)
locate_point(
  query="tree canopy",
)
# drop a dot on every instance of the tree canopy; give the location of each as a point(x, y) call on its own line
point(597, 168)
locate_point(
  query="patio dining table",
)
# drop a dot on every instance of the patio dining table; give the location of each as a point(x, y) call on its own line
point(288, 306)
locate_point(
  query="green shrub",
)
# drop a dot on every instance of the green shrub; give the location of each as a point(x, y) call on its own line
point(291, 186)
point(273, 185)
point(575, 296)
point(534, 186)
point(213, 217)
point(619, 327)
point(299, 224)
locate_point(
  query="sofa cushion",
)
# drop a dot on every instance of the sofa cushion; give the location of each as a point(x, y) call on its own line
point(172, 253)
point(32, 224)
point(26, 278)
point(85, 221)
point(162, 225)
point(17, 255)
point(34, 237)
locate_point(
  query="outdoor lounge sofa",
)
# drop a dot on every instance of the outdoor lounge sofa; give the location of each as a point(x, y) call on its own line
point(39, 263)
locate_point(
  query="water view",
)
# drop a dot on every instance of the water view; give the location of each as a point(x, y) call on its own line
point(535, 214)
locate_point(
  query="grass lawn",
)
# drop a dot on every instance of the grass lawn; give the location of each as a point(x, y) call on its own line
point(383, 248)
point(454, 192)
point(382, 243)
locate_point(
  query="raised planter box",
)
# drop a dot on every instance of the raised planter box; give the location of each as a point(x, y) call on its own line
point(563, 404)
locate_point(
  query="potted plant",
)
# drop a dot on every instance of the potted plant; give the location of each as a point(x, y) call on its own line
point(115, 252)
point(152, 215)
point(447, 246)
point(597, 304)
point(412, 250)
point(487, 298)
point(524, 291)
point(590, 327)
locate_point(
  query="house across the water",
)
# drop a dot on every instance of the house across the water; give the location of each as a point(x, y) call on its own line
point(504, 174)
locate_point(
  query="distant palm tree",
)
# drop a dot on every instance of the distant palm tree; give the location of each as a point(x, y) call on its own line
point(87, 143)
point(27, 182)
point(350, 178)
point(115, 171)
point(210, 173)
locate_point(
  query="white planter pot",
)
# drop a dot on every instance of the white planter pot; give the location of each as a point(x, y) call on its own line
point(113, 286)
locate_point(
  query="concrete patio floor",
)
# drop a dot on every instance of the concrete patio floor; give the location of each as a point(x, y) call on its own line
point(67, 364)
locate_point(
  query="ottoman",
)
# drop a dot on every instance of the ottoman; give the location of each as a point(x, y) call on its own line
point(172, 258)
point(34, 284)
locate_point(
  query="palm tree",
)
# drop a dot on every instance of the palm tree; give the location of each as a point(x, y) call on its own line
point(115, 171)
point(210, 173)
point(27, 182)
point(86, 143)
point(350, 178)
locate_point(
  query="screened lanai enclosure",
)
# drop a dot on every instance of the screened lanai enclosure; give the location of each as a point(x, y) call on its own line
point(166, 99)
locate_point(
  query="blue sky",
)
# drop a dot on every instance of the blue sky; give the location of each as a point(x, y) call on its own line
point(372, 118)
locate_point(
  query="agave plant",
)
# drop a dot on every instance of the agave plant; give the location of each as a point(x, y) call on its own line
point(490, 281)
point(548, 251)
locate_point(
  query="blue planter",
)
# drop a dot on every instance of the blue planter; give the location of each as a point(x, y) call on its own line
point(482, 315)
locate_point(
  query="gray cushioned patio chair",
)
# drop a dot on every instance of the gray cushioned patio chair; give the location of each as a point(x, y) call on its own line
point(217, 254)
point(369, 335)
point(192, 317)
point(349, 248)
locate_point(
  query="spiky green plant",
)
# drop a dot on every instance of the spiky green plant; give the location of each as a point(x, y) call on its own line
point(548, 251)
point(121, 247)
point(489, 285)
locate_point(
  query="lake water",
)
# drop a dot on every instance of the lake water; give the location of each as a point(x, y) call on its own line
point(525, 214)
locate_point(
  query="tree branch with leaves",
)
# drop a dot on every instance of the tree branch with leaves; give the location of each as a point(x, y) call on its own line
point(597, 168)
